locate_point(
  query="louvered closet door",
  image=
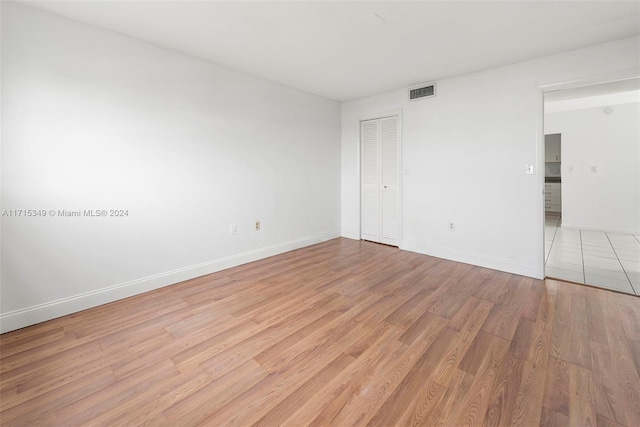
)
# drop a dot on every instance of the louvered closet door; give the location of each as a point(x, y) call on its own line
point(370, 182)
point(389, 204)
point(380, 180)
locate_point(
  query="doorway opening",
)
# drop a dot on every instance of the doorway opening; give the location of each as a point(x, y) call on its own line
point(592, 185)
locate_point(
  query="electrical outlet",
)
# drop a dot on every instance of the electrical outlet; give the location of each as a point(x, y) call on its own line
point(257, 227)
point(452, 226)
point(233, 229)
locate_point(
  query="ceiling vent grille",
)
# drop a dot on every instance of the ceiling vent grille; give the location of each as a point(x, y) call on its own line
point(422, 91)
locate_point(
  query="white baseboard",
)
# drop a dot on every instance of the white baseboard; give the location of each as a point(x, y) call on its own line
point(42, 312)
point(537, 272)
point(606, 230)
point(350, 234)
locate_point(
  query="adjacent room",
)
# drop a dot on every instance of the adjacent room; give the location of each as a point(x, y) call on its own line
point(592, 185)
point(339, 213)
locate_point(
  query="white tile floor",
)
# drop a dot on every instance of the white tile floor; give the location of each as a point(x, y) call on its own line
point(607, 260)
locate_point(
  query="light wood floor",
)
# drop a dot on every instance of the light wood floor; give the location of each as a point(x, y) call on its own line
point(344, 333)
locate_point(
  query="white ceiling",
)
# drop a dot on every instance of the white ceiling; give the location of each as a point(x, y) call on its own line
point(328, 48)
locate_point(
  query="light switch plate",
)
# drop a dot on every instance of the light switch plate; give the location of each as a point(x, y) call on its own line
point(528, 169)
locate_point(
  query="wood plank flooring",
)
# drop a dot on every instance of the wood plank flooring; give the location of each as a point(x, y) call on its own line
point(343, 333)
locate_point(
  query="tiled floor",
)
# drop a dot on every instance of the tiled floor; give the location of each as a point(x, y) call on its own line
point(607, 260)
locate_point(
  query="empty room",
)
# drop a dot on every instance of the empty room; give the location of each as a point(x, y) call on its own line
point(320, 213)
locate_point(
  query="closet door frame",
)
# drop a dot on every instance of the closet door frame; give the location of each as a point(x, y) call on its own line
point(376, 116)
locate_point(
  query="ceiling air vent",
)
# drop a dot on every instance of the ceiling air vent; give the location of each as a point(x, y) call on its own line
point(422, 91)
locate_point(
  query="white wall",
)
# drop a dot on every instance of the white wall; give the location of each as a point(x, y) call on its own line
point(97, 120)
point(608, 200)
point(466, 151)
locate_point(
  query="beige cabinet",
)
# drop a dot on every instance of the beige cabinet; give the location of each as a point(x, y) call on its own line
point(552, 148)
point(553, 197)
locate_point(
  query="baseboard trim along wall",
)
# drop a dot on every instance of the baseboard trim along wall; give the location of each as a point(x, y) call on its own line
point(350, 234)
point(40, 313)
point(470, 258)
point(474, 259)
